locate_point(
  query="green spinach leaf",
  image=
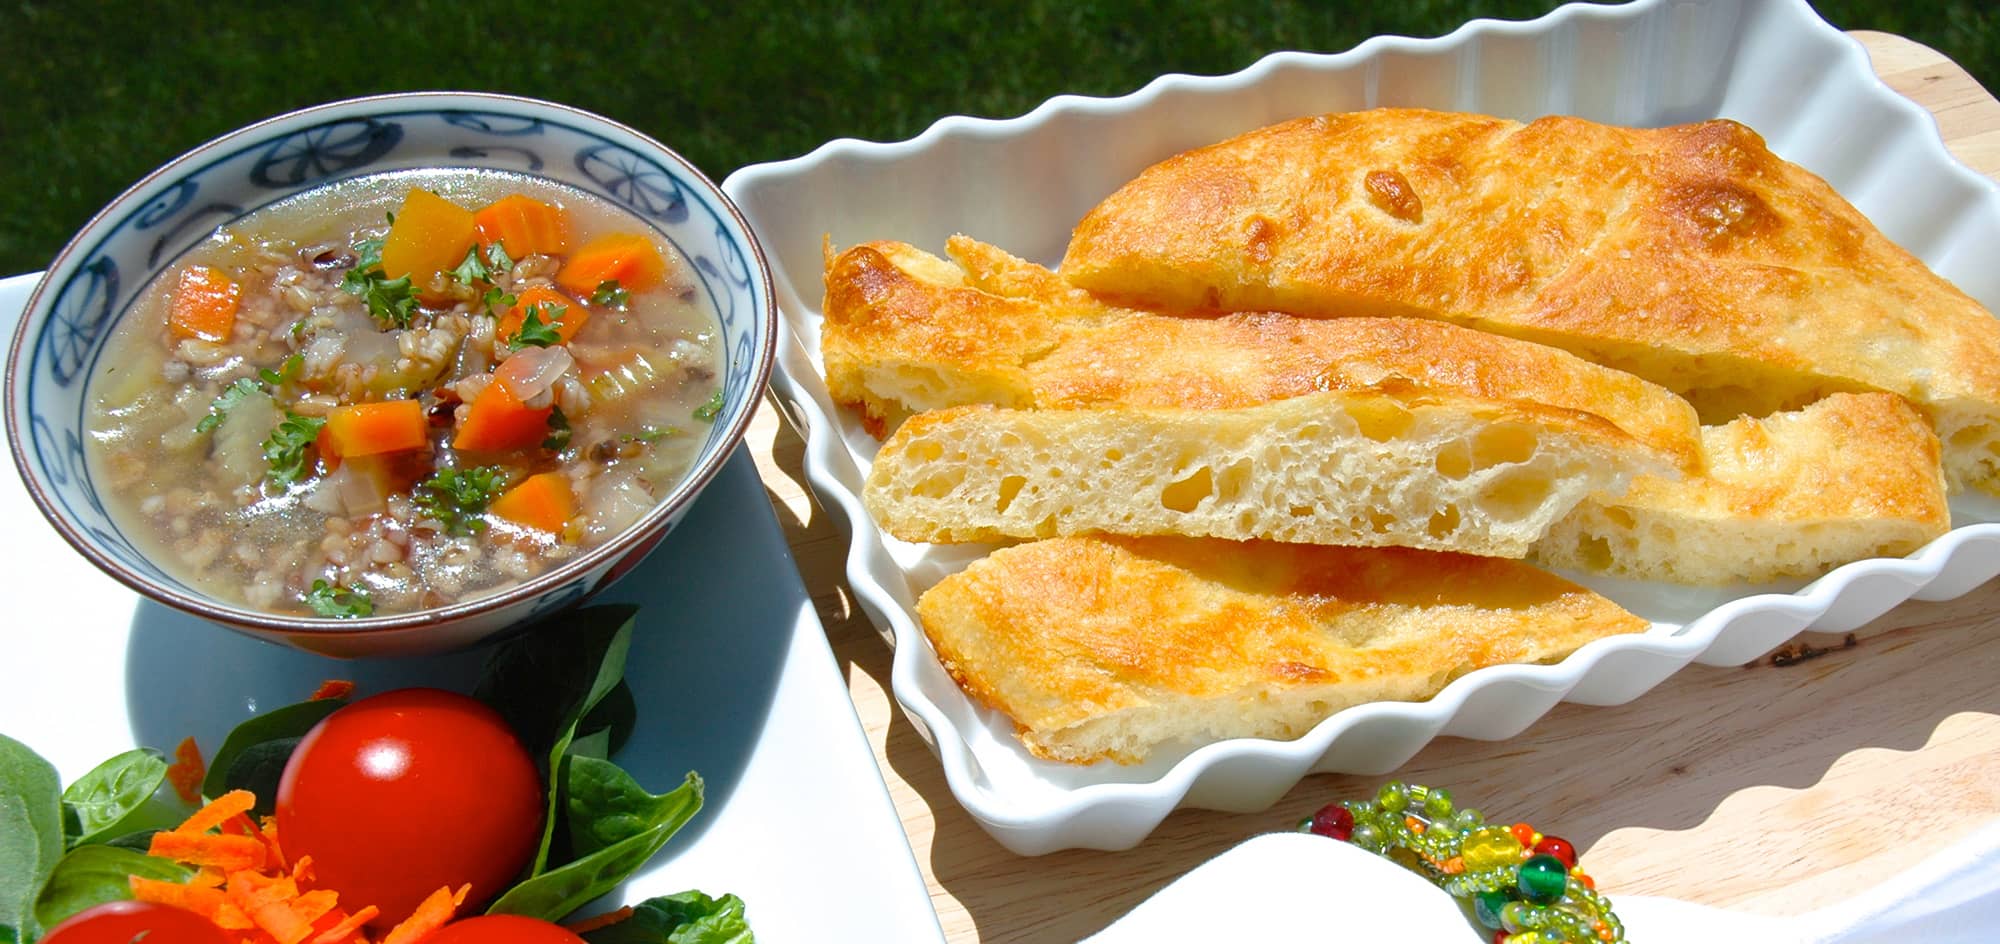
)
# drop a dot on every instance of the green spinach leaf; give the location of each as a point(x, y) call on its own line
point(643, 822)
point(279, 724)
point(604, 806)
point(609, 724)
point(687, 918)
point(544, 683)
point(111, 791)
point(94, 874)
point(31, 833)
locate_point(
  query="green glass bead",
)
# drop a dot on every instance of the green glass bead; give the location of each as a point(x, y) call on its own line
point(1393, 797)
point(1366, 835)
point(1486, 907)
point(1305, 825)
point(1442, 830)
point(1543, 879)
point(1489, 847)
point(1467, 819)
point(1514, 917)
point(1438, 803)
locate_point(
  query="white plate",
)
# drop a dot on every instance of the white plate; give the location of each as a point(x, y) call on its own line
point(729, 665)
point(1022, 183)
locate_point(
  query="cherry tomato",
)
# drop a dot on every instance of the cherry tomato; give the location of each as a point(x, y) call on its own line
point(502, 929)
point(121, 922)
point(403, 793)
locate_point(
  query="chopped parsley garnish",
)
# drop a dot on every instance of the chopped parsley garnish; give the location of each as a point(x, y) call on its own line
point(286, 449)
point(498, 301)
point(368, 252)
point(245, 387)
point(648, 434)
point(232, 396)
point(390, 301)
point(707, 412)
point(535, 331)
point(473, 269)
point(497, 261)
point(337, 601)
point(558, 431)
point(287, 371)
point(611, 295)
point(457, 497)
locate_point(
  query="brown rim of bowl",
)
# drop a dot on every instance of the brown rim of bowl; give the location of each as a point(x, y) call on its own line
point(696, 478)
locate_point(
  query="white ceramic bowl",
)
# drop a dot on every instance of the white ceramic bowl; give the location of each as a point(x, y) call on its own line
point(94, 280)
point(1022, 184)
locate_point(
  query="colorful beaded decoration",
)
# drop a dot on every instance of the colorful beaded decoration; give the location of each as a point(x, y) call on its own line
point(1525, 886)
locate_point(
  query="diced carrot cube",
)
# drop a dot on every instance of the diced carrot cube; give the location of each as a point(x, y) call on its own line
point(543, 502)
point(553, 307)
point(430, 235)
point(524, 226)
point(498, 420)
point(629, 259)
point(366, 429)
point(204, 304)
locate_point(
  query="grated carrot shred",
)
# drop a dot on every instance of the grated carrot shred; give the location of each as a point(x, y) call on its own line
point(187, 771)
point(229, 853)
point(332, 688)
point(433, 913)
point(349, 928)
point(597, 922)
point(217, 812)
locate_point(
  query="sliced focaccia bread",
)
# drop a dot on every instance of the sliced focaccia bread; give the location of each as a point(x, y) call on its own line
point(905, 331)
point(1691, 256)
point(1355, 468)
point(1106, 648)
point(1790, 495)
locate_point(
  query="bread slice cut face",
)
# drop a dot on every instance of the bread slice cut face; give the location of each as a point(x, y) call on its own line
point(1108, 648)
point(1053, 414)
point(1792, 494)
point(1691, 256)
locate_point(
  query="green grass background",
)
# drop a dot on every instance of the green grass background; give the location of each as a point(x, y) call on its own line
point(97, 94)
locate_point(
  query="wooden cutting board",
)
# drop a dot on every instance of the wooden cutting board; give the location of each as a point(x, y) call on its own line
point(1776, 787)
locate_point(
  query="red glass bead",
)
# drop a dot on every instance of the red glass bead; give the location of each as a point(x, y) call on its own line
point(1501, 936)
point(1560, 848)
point(1333, 820)
point(1524, 833)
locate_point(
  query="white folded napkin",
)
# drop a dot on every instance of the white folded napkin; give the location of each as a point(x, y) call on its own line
point(1291, 886)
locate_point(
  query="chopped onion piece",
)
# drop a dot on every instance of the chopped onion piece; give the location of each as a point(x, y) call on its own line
point(531, 373)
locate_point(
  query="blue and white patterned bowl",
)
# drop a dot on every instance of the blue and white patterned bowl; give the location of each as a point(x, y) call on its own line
point(95, 279)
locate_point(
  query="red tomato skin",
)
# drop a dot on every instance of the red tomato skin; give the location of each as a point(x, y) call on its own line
point(403, 793)
point(502, 929)
point(118, 922)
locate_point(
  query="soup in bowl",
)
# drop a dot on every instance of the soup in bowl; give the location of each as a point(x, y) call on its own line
point(393, 374)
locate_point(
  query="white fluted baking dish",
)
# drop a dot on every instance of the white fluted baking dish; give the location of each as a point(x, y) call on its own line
point(1022, 183)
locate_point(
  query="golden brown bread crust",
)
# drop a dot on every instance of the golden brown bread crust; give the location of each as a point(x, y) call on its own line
point(1006, 332)
point(1101, 647)
point(1793, 494)
point(1691, 256)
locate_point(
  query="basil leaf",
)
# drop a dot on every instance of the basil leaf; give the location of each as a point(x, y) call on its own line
point(644, 821)
point(687, 918)
point(286, 724)
point(113, 790)
point(31, 832)
point(92, 875)
point(544, 682)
